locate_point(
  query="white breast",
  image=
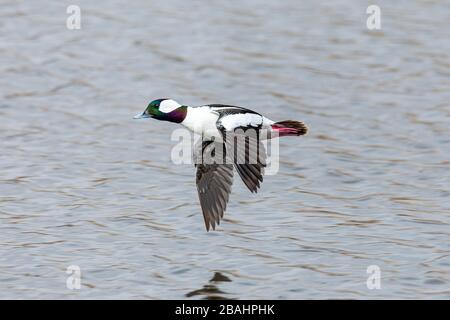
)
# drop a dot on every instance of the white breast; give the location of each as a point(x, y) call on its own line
point(202, 120)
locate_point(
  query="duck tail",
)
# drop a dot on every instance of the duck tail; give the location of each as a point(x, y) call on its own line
point(290, 128)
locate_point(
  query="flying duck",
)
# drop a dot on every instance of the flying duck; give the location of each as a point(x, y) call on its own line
point(231, 136)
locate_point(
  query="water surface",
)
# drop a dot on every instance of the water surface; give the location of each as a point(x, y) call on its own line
point(84, 184)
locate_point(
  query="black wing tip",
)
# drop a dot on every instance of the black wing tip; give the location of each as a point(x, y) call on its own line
point(211, 226)
point(211, 220)
point(252, 180)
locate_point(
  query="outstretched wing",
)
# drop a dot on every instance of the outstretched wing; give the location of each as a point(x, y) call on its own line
point(214, 179)
point(241, 134)
point(249, 157)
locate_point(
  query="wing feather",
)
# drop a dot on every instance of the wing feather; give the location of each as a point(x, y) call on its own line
point(248, 154)
point(214, 183)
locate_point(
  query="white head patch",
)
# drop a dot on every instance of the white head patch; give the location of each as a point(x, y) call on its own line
point(168, 105)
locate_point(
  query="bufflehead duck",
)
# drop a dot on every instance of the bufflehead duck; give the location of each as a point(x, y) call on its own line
point(220, 127)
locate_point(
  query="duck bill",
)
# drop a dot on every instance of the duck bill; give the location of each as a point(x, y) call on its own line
point(141, 116)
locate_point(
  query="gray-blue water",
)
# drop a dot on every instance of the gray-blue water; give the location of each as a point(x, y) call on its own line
point(81, 183)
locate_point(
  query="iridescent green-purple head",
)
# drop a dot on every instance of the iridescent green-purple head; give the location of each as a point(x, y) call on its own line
point(164, 109)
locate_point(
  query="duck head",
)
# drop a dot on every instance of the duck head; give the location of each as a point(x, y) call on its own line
point(164, 109)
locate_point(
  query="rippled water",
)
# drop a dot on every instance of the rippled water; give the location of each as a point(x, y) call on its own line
point(83, 184)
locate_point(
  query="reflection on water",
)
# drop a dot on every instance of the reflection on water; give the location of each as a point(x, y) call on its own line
point(211, 291)
point(83, 184)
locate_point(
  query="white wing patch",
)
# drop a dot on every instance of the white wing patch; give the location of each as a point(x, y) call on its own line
point(233, 121)
point(168, 105)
